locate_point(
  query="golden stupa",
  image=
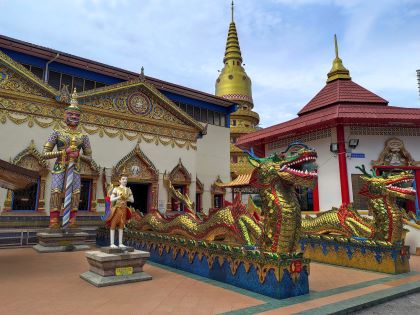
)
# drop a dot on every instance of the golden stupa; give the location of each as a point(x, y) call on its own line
point(234, 84)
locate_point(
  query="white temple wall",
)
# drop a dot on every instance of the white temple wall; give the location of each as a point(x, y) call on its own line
point(213, 159)
point(210, 159)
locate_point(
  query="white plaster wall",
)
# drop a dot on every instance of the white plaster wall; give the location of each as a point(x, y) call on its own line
point(16, 138)
point(213, 159)
point(412, 238)
point(328, 178)
point(210, 159)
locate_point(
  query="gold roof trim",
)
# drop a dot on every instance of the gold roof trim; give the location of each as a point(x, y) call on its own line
point(151, 88)
point(241, 180)
point(16, 66)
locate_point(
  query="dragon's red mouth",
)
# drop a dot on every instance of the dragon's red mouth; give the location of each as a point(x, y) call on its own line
point(296, 167)
point(394, 186)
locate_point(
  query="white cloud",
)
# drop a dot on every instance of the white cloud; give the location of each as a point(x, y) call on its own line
point(286, 44)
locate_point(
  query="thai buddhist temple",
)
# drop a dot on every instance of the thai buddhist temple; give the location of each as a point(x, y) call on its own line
point(348, 126)
point(152, 129)
point(234, 84)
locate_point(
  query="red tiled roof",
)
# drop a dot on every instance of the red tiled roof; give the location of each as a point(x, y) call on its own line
point(341, 91)
point(348, 114)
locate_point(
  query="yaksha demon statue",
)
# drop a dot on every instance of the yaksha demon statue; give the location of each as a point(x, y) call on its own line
point(66, 171)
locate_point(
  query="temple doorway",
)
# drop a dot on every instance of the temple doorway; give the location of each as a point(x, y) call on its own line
point(85, 194)
point(26, 199)
point(141, 196)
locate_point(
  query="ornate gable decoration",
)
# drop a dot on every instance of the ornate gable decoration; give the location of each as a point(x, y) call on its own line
point(16, 78)
point(394, 154)
point(180, 175)
point(217, 188)
point(31, 159)
point(141, 99)
point(89, 168)
point(138, 166)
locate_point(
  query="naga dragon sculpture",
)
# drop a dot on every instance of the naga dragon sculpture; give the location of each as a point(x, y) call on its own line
point(387, 222)
point(275, 177)
point(233, 224)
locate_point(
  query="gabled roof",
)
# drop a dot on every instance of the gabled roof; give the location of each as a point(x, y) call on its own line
point(330, 116)
point(342, 91)
point(341, 101)
point(21, 70)
point(97, 67)
point(138, 82)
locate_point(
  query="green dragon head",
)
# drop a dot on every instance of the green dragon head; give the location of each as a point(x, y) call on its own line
point(295, 166)
point(396, 185)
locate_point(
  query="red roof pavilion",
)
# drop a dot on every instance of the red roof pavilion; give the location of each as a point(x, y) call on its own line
point(340, 102)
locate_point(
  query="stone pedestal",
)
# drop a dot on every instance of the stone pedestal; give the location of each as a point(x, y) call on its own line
point(61, 240)
point(111, 266)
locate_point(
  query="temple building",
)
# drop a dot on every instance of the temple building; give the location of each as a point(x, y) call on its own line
point(235, 85)
point(348, 126)
point(153, 129)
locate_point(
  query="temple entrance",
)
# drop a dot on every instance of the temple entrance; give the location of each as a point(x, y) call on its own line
point(85, 194)
point(141, 196)
point(26, 199)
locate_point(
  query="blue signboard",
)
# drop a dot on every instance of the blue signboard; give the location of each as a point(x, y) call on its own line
point(357, 155)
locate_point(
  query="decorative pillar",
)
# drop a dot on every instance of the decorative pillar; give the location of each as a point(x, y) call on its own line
point(342, 164)
point(315, 197)
point(93, 200)
point(41, 200)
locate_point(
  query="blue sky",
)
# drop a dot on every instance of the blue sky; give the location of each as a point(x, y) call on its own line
point(287, 45)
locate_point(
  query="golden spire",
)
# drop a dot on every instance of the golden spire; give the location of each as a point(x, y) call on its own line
point(233, 51)
point(338, 71)
point(233, 83)
point(232, 11)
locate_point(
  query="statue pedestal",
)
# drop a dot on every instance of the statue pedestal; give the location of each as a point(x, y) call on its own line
point(111, 266)
point(61, 240)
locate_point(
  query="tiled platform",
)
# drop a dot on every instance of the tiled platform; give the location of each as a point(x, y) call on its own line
point(49, 284)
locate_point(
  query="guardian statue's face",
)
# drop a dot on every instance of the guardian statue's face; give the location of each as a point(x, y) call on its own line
point(72, 118)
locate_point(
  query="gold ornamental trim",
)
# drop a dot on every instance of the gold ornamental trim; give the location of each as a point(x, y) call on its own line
point(241, 130)
point(17, 67)
point(173, 109)
point(245, 113)
point(49, 116)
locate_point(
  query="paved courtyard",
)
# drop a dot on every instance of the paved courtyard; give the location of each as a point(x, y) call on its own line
point(33, 283)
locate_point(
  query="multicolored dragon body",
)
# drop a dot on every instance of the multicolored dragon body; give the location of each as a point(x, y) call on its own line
point(383, 192)
point(279, 229)
point(341, 221)
point(387, 222)
point(277, 177)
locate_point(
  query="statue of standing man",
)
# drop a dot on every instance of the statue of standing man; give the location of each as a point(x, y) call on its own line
point(120, 213)
point(66, 171)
